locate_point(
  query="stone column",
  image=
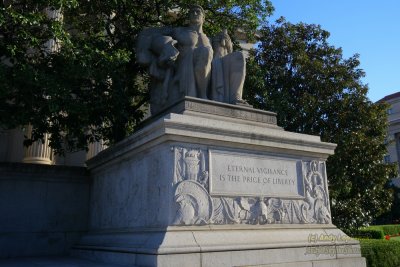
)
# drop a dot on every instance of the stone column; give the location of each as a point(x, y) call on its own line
point(39, 152)
point(94, 149)
point(54, 14)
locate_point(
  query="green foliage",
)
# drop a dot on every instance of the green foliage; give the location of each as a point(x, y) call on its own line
point(395, 212)
point(380, 253)
point(314, 90)
point(370, 233)
point(88, 87)
point(392, 216)
point(389, 229)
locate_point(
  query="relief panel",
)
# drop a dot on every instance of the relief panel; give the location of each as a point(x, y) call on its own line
point(200, 199)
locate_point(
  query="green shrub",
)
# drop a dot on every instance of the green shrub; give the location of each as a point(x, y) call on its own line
point(389, 229)
point(369, 233)
point(381, 253)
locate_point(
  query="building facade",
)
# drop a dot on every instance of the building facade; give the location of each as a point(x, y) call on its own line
point(11, 141)
point(13, 150)
point(393, 133)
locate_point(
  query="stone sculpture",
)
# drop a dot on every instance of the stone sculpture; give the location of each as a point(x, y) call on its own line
point(182, 62)
point(228, 71)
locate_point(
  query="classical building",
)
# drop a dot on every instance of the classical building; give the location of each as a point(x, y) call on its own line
point(393, 134)
point(11, 141)
point(13, 150)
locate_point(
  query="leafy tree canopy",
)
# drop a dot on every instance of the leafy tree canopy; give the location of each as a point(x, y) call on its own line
point(88, 86)
point(315, 90)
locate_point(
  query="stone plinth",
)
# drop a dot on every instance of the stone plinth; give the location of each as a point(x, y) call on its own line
point(202, 108)
point(212, 184)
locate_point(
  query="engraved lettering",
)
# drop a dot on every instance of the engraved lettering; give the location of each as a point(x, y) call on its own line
point(234, 168)
point(251, 175)
point(251, 179)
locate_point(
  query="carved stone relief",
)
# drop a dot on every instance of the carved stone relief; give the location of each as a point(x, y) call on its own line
point(195, 206)
point(190, 164)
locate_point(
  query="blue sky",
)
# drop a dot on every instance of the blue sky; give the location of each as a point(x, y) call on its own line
point(369, 28)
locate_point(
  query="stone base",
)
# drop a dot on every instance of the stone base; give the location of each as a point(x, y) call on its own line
point(212, 109)
point(212, 184)
point(284, 245)
point(220, 259)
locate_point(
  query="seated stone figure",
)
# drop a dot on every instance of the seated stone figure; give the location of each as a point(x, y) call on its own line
point(228, 71)
point(158, 54)
point(181, 62)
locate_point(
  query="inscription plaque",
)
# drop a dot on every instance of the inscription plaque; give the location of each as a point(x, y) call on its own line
point(234, 174)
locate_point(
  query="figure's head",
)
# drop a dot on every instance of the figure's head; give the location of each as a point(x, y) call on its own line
point(196, 15)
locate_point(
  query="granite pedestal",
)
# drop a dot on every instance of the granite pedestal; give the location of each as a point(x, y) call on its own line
point(212, 184)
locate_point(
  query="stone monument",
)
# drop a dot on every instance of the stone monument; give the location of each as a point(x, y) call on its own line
point(182, 62)
point(210, 181)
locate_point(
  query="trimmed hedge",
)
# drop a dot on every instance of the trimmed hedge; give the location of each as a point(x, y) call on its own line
point(380, 253)
point(390, 229)
point(369, 233)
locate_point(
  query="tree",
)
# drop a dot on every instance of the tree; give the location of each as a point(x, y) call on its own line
point(314, 90)
point(89, 87)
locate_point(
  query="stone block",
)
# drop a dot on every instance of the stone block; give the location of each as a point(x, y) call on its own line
point(204, 188)
point(46, 209)
point(353, 262)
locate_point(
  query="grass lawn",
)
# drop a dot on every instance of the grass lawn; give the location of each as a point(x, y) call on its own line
point(396, 238)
